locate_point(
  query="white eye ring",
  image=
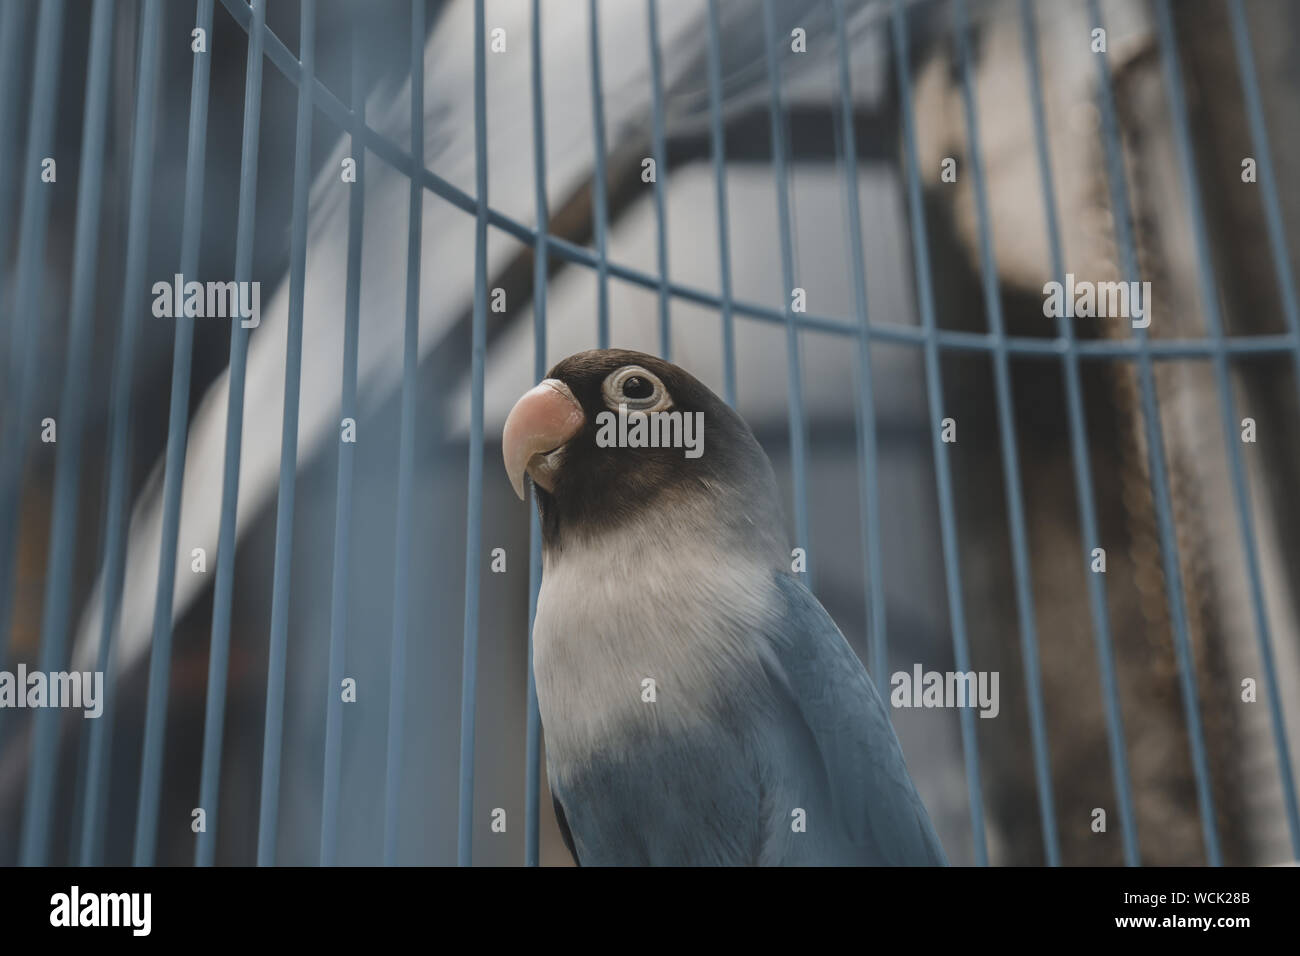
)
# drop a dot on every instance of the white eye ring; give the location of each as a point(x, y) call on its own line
point(612, 391)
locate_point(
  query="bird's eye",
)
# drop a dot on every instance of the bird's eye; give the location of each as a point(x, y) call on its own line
point(637, 389)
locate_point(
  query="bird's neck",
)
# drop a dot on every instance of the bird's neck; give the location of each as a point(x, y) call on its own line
point(651, 610)
point(703, 520)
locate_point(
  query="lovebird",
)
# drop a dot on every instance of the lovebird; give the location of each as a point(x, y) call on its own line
point(699, 705)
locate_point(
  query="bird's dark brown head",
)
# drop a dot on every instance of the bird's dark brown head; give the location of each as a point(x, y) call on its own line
point(597, 465)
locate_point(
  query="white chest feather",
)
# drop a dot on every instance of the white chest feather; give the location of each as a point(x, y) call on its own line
point(643, 634)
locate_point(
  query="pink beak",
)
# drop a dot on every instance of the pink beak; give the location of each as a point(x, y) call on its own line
point(542, 420)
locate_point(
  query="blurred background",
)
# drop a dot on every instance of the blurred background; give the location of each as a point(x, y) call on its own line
point(79, 571)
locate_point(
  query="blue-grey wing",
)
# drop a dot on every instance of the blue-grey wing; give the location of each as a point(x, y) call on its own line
point(871, 793)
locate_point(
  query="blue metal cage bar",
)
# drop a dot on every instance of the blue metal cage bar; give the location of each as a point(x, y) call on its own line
point(24, 336)
point(123, 372)
point(1122, 215)
point(1217, 347)
point(54, 620)
point(72, 404)
point(600, 202)
point(343, 500)
point(11, 66)
point(406, 453)
point(146, 821)
point(1081, 459)
point(794, 371)
point(718, 148)
point(1010, 454)
point(273, 735)
point(660, 152)
point(541, 262)
point(868, 483)
point(223, 588)
point(474, 509)
point(934, 394)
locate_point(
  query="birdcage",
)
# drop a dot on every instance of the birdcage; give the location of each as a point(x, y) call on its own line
point(71, 796)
